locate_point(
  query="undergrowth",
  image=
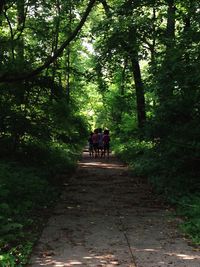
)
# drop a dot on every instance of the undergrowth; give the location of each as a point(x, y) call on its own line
point(189, 208)
point(171, 175)
point(30, 182)
point(24, 190)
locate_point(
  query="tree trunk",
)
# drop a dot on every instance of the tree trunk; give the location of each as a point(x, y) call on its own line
point(68, 53)
point(55, 47)
point(68, 74)
point(20, 41)
point(154, 38)
point(167, 81)
point(19, 61)
point(132, 48)
point(2, 3)
point(167, 72)
point(170, 31)
point(139, 87)
point(123, 77)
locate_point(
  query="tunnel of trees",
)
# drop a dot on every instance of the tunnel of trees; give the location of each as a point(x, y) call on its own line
point(67, 67)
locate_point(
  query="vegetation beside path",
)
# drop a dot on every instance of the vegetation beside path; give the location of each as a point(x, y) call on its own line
point(167, 174)
point(31, 180)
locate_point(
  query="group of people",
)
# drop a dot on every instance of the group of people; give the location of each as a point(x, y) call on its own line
point(99, 143)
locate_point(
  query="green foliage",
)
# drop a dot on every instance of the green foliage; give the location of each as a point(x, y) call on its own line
point(41, 131)
point(24, 191)
point(189, 209)
point(16, 256)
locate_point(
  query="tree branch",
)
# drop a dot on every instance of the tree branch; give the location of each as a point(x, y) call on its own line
point(16, 77)
point(11, 33)
point(106, 7)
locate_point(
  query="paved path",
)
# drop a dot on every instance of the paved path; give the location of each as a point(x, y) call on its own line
point(107, 217)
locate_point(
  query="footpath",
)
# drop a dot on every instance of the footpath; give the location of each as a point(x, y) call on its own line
point(108, 217)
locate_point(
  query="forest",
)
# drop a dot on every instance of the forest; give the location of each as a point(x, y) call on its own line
point(67, 67)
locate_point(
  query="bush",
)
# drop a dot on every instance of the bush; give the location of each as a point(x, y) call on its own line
point(23, 191)
point(189, 208)
point(170, 169)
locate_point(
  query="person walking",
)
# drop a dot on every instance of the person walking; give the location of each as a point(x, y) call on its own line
point(95, 139)
point(106, 143)
point(100, 146)
point(90, 143)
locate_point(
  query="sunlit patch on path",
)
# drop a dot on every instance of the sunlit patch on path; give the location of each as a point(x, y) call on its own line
point(99, 164)
point(107, 217)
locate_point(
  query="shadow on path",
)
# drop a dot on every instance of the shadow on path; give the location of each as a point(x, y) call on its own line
point(108, 217)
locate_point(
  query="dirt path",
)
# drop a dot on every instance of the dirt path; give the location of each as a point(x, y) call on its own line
point(106, 217)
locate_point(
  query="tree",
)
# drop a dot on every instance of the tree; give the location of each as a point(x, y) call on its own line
point(120, 41)
point(12, 78)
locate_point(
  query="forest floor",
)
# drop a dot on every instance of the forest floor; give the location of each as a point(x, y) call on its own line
point(108, 217)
